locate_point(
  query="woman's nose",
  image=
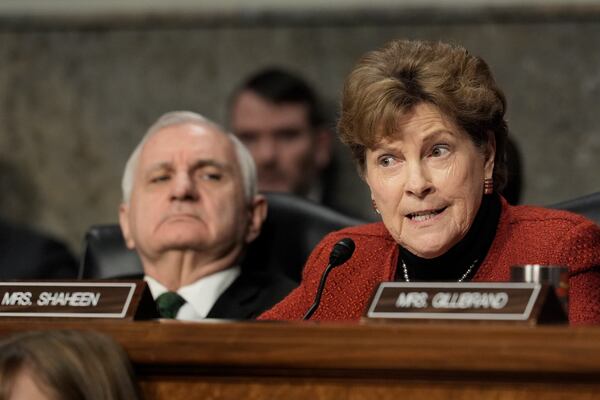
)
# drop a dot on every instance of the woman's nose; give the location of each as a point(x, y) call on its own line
point(418, 182)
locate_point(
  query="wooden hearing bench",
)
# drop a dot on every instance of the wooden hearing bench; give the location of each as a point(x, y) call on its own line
point(268, 360)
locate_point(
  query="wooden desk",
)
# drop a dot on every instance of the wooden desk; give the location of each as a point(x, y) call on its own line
point(177, 360)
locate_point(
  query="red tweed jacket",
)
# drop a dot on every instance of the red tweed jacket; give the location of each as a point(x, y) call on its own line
point(525, 235)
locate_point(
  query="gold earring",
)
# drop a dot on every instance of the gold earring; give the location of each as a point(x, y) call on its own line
point(375, 206)
point(488, 186)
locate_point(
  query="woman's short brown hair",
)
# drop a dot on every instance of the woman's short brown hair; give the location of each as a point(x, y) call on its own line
point(387, 83)
point(68, 365)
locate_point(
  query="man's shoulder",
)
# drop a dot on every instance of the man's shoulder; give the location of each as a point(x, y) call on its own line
point(263, 279)
point(32, 255)
point(16, 234)
point(252, 293)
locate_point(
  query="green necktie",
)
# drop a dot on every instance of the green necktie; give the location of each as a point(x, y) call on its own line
point(168, 304)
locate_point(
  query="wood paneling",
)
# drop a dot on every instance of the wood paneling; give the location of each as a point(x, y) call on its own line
point(253, 360)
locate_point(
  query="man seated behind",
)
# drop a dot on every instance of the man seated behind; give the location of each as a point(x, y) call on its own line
point(278, 116)
point(190, 206)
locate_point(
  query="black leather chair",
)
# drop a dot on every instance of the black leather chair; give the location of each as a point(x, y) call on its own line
point(106, 255)
point(292, 229)
point(588, 206)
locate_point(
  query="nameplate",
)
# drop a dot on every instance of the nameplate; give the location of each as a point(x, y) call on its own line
point(502, 301)
point(77, 299)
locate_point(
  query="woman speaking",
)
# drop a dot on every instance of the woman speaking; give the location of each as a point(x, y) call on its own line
point(425, 124)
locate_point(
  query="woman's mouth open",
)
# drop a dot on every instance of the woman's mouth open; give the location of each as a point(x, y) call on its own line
point(425, 215)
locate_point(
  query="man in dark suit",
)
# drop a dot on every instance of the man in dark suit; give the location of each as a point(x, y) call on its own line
point(190, 206)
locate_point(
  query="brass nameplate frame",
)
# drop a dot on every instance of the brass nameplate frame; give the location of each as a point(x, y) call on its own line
point(77, 299)
point(469, 301)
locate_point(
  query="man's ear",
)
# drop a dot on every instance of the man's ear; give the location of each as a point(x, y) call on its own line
point(323, 148)
point(124, 222)
point(490, 155)
point(258, 213)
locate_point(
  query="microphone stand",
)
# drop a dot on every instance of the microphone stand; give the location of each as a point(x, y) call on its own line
point(315, 304)
point(341, 252)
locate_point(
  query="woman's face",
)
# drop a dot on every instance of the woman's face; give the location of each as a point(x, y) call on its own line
point(427, 180)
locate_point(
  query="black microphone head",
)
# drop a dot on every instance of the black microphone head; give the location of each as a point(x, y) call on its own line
point(341, 252)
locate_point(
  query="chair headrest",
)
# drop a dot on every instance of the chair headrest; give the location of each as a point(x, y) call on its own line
point(106, 255)
point(293, 227)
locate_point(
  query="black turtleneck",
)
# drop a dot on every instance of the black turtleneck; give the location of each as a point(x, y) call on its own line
point(451, 265)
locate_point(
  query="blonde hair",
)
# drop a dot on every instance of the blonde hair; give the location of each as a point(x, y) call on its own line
point(68, 365)
point(388, 83)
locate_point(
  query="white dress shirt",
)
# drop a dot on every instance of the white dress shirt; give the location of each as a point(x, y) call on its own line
point(199, 296)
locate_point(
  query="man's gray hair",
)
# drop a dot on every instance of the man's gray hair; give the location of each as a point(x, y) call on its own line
point(245, 161)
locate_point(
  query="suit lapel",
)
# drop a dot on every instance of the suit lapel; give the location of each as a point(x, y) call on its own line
point(239, 301)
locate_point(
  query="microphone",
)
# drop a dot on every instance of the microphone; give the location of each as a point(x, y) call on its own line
point(341, 252)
